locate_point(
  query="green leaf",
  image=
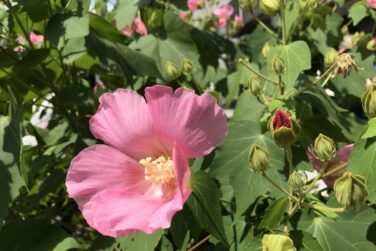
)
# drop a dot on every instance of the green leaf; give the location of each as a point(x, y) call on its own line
point(363, 161)
point(127, 11)
point(36, 235)
point(370, 130)
point(105, 29)
point(352, 232)
point(36, 9)
point(304, 241)
point(357, 12)
point(274, 213)
point(138, 241)
point(204, 204)
point(74, 49)
point(297, 58)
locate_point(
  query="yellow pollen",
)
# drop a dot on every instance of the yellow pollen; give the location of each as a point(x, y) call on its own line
point(160, 172)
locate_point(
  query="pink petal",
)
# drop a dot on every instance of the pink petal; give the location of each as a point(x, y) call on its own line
point(343, 153)
point(115, 211)
point(102, 167)
point(140, 26)
point(35, 38)
point(195, 123)
point(192, 5)
point(123, 121)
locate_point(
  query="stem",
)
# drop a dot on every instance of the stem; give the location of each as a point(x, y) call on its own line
point(200, 243)
point(279, 187)
point(322, 171)
point(281, 85)
point(283, 21)
point(249, 67)
point(334, 170)
point(289, 158)
point(325, 73)
point(330, 209)
point(263, 25)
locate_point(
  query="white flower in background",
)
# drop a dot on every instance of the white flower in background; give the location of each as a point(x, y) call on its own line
point(46, 109)
point(329, 92)
point(320, 184)
point(29, 140)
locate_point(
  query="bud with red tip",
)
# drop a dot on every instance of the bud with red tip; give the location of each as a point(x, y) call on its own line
point(284, 128)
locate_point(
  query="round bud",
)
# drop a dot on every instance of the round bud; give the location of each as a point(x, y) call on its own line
point(265, 49)
point(270, 7)
point(351, 191)
point(324, 148)
point(278, 65)
point(254, 85)
point(258, 158)
point(247, 4)
point(172, 71)
point(296, 180)
point(369, 101)
point(371, 45)
point(188, 67)
point(285, 130)
point(330, 57)
point(277, 242)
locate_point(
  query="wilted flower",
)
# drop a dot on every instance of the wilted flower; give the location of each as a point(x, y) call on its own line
point(345, 63)
point(140, 177)
point(222, 15)
point(196, 4)
point(341, 158)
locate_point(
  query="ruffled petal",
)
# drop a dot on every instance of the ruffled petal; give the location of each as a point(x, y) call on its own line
point(123, 121)
point(195, 123)
point(101, 167)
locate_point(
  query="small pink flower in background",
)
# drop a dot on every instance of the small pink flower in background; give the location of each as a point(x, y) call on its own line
point(238, 22)
point(196, 4)
point(183, 15)
point(35, 38)
point(98, 84)
point(140, 26)
point(127, 31)
point(140, 177)
point(222, 15)
point(341, 158)
point(372, 3)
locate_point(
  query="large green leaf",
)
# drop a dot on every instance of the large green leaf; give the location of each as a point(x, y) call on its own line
point(297, 58)
point(204, 204)
point(357, 12)
point(138, 241)
point(304, 241)
point(370, 131)
point(352, 232)
point(274, 213)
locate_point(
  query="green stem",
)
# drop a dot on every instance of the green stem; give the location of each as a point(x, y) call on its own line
point(249, 67)
point(283, 22)
point(263, 25)
point(322, 171)
point(279, 187)
point(329, 209)
point(334, 170)
point(325, 73)
point(281, 85)
point(289, 158)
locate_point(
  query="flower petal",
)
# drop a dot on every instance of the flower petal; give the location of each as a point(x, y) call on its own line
point(195, 123)
point(100, 167)
point(123, 121)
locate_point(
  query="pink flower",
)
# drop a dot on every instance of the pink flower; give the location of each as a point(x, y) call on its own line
point(372, 3)
point(140, 26)
point(140, 178)
point(183, 15)
point(195, 4)
point(222, 14)
point(341, 158)
point(238, 21)
point(35, 38)
point(128, 31)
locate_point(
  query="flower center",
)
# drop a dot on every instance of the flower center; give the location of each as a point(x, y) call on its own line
point(160, 172)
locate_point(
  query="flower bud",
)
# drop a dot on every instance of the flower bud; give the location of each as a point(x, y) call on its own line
point(254, 85)
point(296, 180)
point(313, 4)
point(247, 4)
point(258, 159)
point(369, 101)
point(330, 57)
point(277, 242)
point(324, 148)
point(265, 49)
point(284, 128)
point(345, 64)
point(171, 70)
point(270, 7)
point(351, 191)
point(188, 67)
point(371, 45)
point(278, 65)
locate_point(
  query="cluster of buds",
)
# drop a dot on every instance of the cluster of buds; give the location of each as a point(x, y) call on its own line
point(258, 159)
point(345, 63)
point(173, 72)
point(277, 242)
point(351, 191)
point(324, 148)
point(369, 100)
point(284, 128)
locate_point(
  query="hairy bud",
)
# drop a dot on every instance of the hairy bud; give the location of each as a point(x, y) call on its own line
point(351, 191)
point(278, 65)
point(172, 71)
point(369, 101)
point(277, 242)
point(330, 57)
point(324, 148)
point(258, 159)
point(254, 85)
point(188, 67)
point(270, 7)
point(285, 130)
point(296, 180)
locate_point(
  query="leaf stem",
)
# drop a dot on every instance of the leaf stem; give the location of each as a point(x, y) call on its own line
point(263, 25)
point(200, 243)
point(334, 170)
point(279, 187)
point(283, 21)
point(249, 67)
point(330, 209)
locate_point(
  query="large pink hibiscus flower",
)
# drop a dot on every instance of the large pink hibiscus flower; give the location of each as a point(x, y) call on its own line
point(140, 178)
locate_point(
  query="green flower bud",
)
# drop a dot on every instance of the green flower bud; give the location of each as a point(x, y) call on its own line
point(258, 159)
point(330, 57)
point(188, 67)
point(313, 4)
point(369, 101)
point(351, 191)
point(324, 148)
point(254, 85)
point(371, 45)
point(277, 242)
point(171, 70)
point(247, 4)
point(265, 49)
point(279, 65)
point(345, 64)
point(285, 130)
point(270, 7)
point(296, 180)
